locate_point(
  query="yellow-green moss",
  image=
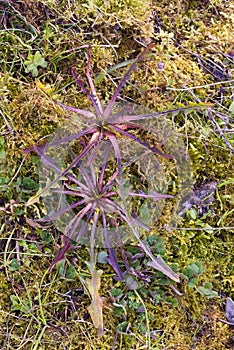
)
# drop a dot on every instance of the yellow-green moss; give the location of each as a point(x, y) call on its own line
point(117, 30)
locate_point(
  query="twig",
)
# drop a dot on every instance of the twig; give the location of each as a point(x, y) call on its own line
point(202, 86)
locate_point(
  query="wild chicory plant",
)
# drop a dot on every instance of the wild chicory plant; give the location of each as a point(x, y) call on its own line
point(99, 211)
point(97, 198)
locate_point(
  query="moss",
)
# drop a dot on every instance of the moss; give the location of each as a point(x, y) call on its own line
point(34, 304)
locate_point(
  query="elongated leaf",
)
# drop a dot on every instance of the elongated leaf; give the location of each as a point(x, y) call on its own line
point(230, 310)
point(95, 308)
point(64, 173)
point(60, 253)
point(110, 105)
point(76, 110)
point(128, 118)
point(92, 97)
point(156, 262)
point(160, 265)
point(143, 143)
point(154, 195)
point(113, 262)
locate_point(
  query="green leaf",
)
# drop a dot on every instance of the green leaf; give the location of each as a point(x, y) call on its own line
point(39, 60)
point(102, 257)
point(170, 300)
point(116, 292)
point(207, 285)
point(98, 79)
point(144, 212)
point(118, 310)
point(208, 293)
point(14, 265)
point(231, 107)
point(192, 283)
point(4, 180)
point(193, 213)
point(34, 72)
point(46, 237)
point(29, 183)
point(193, 269)
point(2, 154)
point(70, 272)
point(61, 265)
point(33, 62)
point(122, 327)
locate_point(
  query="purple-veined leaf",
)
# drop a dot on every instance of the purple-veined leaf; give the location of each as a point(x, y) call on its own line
point(141, 224)
point(74, 223)
point(34, 223)
point(110, 183)
point(60, 253)
point(92, 97)
point(114, 207)
point(143, 143)
point(156, 262)
point(132, 283)
point(94, 93)
point(114, 142)
point(103, 168)
point(91, 182)
point(72, 137)
point(110, 105)
point(230, 310)
point(83, 228)
point(77, 110)
point(159, 264)
point(128, 118)
point(35, 198)
point(112, 258)
point(154, 195)
point(113, 262)
point(61, 212)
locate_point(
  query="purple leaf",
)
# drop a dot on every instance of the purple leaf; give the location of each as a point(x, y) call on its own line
point(110, 105)
point(113, 262)
point(112, 258)
point(60, 253)
point(75, 222)
point(154, 195)
point(62, 174)
point(128, 118)
point(60, 212)
point(160, 265)
point(117, 152)
point(230, 310)
point(143, 143)
point(76, 110)
point(103, 168)
point(132, 283)
point(92, 98)
point(72, 137)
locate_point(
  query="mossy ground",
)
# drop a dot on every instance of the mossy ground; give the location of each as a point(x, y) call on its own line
point(35, 311)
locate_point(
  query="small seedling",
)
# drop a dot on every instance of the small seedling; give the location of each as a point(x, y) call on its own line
point(191, 273)
point(33, 62)
point(207, 291)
